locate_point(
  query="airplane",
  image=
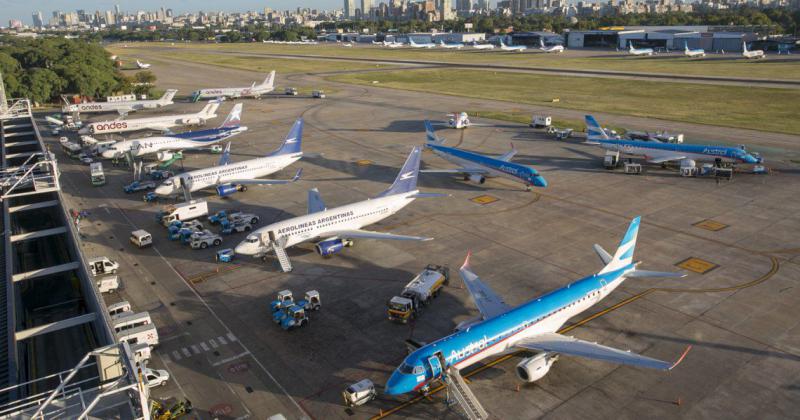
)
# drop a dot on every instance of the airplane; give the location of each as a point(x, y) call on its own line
point(459, 120)
point(393, 44)
point(163, 145)
point(531, 327)
point(482, 46)
point(518, 48)
point(347, 44)
point(423, 45)
point(456, 45)
point(253, 91)
point(335, 228)
point(159, 123)
point(122, 107)
point(229, 178)
point(754, 54)
point(659, 152)
point(699, 52)
point(640, 51)
point(552, 49)
point(142, 65)
point(476, 167)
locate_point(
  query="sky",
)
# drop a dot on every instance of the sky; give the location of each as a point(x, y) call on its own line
point(19, 9)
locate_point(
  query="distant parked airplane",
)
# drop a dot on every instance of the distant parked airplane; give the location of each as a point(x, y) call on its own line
point(160, 123)
point(253, 91)
point(121, 107)
point(640, 51)
point(517, 48)
point(699, 52)
point(456, 45)
point(482, 46)
point(754, 54)
point(423, 45)
point(551, 49)
point(142, 65)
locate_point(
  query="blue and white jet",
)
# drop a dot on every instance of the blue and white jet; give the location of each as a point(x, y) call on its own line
point(476, 167)
point(658, 152)
point(531, 326)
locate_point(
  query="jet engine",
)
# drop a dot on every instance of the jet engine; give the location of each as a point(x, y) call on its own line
point(688, 163)
point(478, 179)
point(165, 156)
point(225, 190)
point(329, 247)
point(534, 368)
point(192, 121)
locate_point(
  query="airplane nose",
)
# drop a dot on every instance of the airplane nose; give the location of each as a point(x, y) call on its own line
point(243, 249)
point(394, 385)
point(539, 181)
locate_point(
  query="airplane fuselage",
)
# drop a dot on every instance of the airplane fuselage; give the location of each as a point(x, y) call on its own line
point(241, 92)
point(493, 167)
point(654, 150)
point(120, 107)
point(152, 123)
point(181, 141)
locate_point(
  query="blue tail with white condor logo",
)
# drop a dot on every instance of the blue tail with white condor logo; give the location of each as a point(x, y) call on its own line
point(476, 167)
point(406, 180)
point(293, 142)
point(658, 152)
point(531, 327)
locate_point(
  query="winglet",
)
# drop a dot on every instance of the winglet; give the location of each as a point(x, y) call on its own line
point(297, 175)
point(680, 359)
point(466, 260)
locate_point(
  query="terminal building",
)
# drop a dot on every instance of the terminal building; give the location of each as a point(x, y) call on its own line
point(663, 37)
point(58, 355)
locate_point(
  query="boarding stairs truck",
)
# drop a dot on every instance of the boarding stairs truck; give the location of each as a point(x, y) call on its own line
point(417, 293)
point(182, 211)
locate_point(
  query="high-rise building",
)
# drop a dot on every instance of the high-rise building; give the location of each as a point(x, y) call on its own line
point(366, 5)
point(38, 20)
point(117, 10)
point(446, 9)
point(349, 9)
point(111, 19)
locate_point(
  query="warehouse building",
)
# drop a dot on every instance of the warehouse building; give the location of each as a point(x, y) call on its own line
point(661, 37)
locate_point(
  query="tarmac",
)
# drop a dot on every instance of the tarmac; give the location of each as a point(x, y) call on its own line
point(226, 355)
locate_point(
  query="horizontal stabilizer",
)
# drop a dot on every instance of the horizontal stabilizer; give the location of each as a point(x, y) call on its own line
point(429, 195)
point(646, 273)
point(602, 253)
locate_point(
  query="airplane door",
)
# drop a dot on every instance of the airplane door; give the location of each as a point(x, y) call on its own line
point(271, 236)
point(436, 367)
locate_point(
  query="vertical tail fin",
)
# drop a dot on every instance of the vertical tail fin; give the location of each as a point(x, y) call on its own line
point(234, 117)
point(210, 108)
point(430, 134)
point(624, 254)
point(744, 47)
point(406, 179)
point(226, 155)
point(594, 131)
point(293, 142)
point(168, 95)
point(270, 80)
point(541, 42)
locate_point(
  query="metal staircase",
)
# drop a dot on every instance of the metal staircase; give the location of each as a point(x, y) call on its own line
point(464, 396)
point(280, 252)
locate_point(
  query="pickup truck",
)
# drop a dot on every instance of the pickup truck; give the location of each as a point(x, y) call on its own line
point(138, 186)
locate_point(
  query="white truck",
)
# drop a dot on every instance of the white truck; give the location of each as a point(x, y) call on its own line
point(103, 265)
point(541, 121)
point(183, 211)
point(108, 284)
point(147, 334)
point(96, 174)
point(418, 292)
point(141, 238)
point(204, 239)
point(118, 309)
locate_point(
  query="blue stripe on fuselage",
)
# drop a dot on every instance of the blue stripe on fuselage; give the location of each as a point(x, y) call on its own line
point(212, 134)
point(718, 151)
point(510, 168)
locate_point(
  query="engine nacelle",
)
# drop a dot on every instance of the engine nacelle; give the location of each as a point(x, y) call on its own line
point(192, 121)
point(165, 156)
point(534, 368)
point(225, 190)
point(329, 247)
point(688, 163)
point(478, 179)
point(463, 325)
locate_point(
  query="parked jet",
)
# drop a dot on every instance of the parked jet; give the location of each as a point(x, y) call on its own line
point(658, 152)
point(229, 178)
point(518, 48)
point(640, 51)
point(699, 52)
point(336, 228)
point(456, 45)
point(165, 145)
point(160, 123)
point(754, 54)
point(482, 46)
point(121, 107)
point(423, 45)
point(532, 326)
point(254, 91)
point(551, 49)
point(476, 167)
point(142, 65)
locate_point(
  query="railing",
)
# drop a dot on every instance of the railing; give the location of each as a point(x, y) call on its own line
point(17, 108)
point(40, 175)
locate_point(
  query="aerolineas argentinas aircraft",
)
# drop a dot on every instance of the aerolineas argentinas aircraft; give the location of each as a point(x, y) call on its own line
point(165, 145)
point(532, 326)
point(455, 45)
point(423, 45)
point(517, 48)
point(658, 152)
point(253, 91)
point(640, 51)
point(476, 167)
point(748, 54)
point(698, 52)
point(551, 49)
point(229, 178)
point(122, 107)
point(336, 228)
point(160, 123)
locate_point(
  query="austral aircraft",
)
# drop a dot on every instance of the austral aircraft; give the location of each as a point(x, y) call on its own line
point(122, 107)
point(160, 123)
point(697, 52)
point(164, 146)
point(335, 228)
point(517, 48)
point(640, 51)
point(532, 326)
point(229, 178)
point(551, 49)
point(658, 152)
point(252, 91)
point(476, 167)
point(754, 54)
point(456, 45)
point(423, 45)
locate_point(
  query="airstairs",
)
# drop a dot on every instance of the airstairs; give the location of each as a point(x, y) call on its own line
point(464, 396)
point(283, 257)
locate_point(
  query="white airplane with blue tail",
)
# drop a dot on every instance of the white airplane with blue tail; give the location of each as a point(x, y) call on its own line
point(476, 167)
point(658, 152)
point(517, 48)
point(640, 51)
point(531, 327)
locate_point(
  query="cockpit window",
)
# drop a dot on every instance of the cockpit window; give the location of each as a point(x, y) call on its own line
point(251, 239)
point(406, 369)
point(418, 370)
point(168, 183)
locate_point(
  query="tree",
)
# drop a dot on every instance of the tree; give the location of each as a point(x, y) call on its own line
point(44, 85)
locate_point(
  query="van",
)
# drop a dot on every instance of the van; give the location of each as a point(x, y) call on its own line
point(103, 265)
point(118, 308)
point(108, 284)
point(141, 352)
point(141, 238)
point(146, 334)
point(131, 321)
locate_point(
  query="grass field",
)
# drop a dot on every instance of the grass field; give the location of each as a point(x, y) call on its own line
point(731, 65)
point(732, 106)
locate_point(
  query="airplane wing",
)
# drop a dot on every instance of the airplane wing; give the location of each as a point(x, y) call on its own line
point(315, 203)
point(158, 127)
point(487, 301)
point(508, 155)
point(558, 343)
point(266, 181)
point(666, 158)
point(468, 171)
point(368, 234)
point(123, 112)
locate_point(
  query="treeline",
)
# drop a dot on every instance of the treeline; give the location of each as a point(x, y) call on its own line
point(43, 69)
point(248, 33)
